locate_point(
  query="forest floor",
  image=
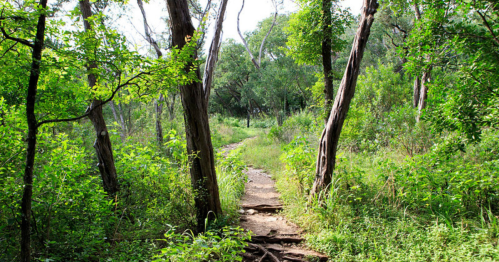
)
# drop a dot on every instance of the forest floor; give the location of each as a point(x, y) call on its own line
point(273, 237)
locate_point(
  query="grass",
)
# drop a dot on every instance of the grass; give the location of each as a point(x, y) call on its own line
point(357, 221)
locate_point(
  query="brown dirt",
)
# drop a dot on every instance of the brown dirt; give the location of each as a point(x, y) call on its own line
point(271, 231)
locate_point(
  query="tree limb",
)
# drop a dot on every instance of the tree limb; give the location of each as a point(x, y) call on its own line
point(488, 26)
point(268, 33)
point(244, 41)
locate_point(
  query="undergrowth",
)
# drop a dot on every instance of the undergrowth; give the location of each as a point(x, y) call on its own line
point(384, 204)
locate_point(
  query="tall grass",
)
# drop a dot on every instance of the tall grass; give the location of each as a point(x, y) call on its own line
point(385, 206)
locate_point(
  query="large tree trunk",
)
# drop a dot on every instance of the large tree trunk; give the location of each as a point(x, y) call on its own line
point(326, 158)
point(32, 130)
point(326, 56)
point(199, 146)
point(102, 142)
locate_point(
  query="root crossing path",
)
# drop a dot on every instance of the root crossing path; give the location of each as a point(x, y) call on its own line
point(274, 238)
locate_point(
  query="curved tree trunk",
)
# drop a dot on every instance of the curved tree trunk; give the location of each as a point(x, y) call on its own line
point(102, 142)
point(199, 146)
point(326, 158)
point(326, 56)
point(32, 130)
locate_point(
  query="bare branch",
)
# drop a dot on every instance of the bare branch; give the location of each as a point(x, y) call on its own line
point(268, 33)
point(244, 41)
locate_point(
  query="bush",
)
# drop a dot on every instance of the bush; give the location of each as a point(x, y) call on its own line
point(224, 245)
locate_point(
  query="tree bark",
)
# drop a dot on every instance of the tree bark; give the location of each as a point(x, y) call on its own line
point(102, 142)
point(213, 52)
point(32, 130)
point(326, 158)
point(326, 56)
point(159, 111)
point(424, 92)
point(199, 146)
point(416, 91)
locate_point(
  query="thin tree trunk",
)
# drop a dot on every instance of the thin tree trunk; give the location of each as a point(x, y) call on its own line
point(424, 92)
point(326, 158)
point(202, 169)
point(32, 130)
point(213, 52)
point(159, 111)
point(326, 56)
point(102, 142)
point(122, 124)
point(158, 106)
point(416, 91)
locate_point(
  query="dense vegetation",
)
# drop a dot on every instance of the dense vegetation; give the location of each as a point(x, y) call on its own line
point(417, 167)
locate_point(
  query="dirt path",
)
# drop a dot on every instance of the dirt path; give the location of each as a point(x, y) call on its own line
point(274, 238)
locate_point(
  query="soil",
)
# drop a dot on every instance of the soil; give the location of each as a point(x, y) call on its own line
point(273, 237)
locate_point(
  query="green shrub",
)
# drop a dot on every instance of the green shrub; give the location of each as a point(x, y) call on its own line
point(225, 245)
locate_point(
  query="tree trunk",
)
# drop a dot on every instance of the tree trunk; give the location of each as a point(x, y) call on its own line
point(424, 92)
point(202, 169)
point(102, 142)
point(32, 130)
point(416, 91)
point(159, 111)
point(158, 103)
point(120, 121)
point(326, 158)
point(326, 56)
point(213, 52)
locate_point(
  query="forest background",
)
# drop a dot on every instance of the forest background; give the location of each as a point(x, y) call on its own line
point(417, 168)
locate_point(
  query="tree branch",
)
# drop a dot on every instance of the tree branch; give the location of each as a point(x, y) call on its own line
point(488, 26)
point(244, 41)
point(15, 39)
point(89, 110)
point(268, 33)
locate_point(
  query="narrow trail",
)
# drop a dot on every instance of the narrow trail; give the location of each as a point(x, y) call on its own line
point(274, 238)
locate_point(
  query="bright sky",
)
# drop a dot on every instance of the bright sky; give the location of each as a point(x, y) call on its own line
point(254, 12)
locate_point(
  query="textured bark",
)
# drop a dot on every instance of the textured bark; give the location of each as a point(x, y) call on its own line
point(424, 92)
point(416, 91)
point(102, 142)
point(326, 158)
point(199, 146)
point(213, 52)
point(32, 130)
point(326, 56)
